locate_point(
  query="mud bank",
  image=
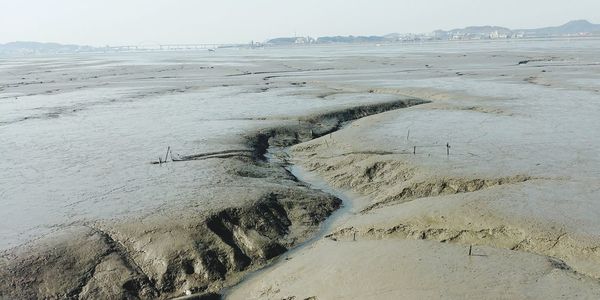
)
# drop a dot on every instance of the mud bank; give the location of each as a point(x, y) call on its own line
point(496, 215)
point(176, 253)
point(451, 199)
point(489, 191)
point(165, 259)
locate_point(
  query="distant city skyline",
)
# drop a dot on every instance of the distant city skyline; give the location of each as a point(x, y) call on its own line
point(112, 22)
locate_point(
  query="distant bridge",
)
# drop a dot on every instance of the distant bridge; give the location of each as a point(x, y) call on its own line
point(171, 47)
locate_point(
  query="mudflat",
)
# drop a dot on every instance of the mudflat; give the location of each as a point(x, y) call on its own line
point(488, 191)
point(472, 170)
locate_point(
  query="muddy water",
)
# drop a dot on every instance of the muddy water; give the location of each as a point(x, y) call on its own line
point(351, 203)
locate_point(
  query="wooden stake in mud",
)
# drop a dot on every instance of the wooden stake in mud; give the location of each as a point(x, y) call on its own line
point(167, 155)
point(470, 250)
point(354, 236)
point(448, 149)
point(415, 150)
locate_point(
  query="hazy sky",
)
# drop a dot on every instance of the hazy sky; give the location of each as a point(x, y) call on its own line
point(122, 22)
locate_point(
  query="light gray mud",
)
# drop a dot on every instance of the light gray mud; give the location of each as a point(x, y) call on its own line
point(176, 253)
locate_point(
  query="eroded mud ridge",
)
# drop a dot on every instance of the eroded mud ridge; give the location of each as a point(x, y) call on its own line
point(390, 180)
point(443, 186)
point(177, 253)
point(165, 260)
point(392, 183)
point(312, 127)
point(565, 251)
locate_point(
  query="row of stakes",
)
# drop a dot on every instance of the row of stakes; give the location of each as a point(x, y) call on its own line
point(415, 147)
point(470, 246)
point(447, 149)
point(407, 137)
point(160, 161)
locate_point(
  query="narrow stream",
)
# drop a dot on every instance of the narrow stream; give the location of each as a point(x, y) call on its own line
point(338, 218)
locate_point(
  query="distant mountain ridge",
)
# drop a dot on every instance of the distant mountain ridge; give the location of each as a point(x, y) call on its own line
point(573, 28)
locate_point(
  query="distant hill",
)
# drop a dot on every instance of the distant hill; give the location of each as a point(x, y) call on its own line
point(283, 41)
point(573, 28)
point(473, 32)
point(326, 40)
point(579, 27)
point(17, 48)
point(350, 39)
point(483, 29)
